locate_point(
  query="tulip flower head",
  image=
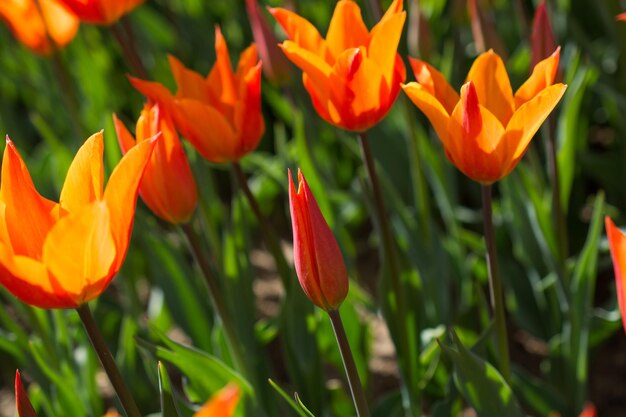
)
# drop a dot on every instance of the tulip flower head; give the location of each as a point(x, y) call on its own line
point(486, 129)
point(617, 244)
point(354, 75)
point(543, 41)
point(22, 402)
point(621, 17)
point(220, 114)
point(61, 255)
point(168, 187)
point(317, 258)
point(41, 25)
point(222, 404)
point(101, 12)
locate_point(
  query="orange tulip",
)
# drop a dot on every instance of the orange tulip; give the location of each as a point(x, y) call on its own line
point(101, 12)
point(317, 258)
point(354, 75)
point(588, 411)
point(220, 114)
point(621, 16)
point(485, 131)
point(168, 187)
point(22, 402)
point(222, 404)
point(61, 255)
point(617, 244)
point(41, 25)
point(112, 413)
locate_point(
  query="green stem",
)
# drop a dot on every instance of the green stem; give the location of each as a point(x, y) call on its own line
point(495, 286)
point(215, 294)
point(107, 361)
point(124, 37)
point(389, 250)
point(266, 231)
point(356, 389)
point(557, 209)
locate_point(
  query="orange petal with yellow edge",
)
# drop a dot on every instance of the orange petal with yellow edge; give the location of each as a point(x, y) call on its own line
point(384, 43)
point(346, 29)
point(475, 134)
point(29, 215)
point(395, 7)
point(29, 280)
point(491, 80)
point(431, 107)
point(80, 250)
point(528, 118)
point(302, 32)
point(435, 83)
point(315, 67)
point(617, 244)
point(85, 177)
point(222, 404)
point(217, 144)
point(121, 195)
point(542, 77)
point(247, 60)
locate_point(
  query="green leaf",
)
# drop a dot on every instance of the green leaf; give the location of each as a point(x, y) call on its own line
point(288, 399)
point(168, 405)
point(480, 383)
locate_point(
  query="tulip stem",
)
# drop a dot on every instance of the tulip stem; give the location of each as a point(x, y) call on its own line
point(124, 38)
point(495, 286)
point(389, 250)
point(215, 294)
point(356, 389)
point(559, 217)
point(268, 235)
point(107, 361)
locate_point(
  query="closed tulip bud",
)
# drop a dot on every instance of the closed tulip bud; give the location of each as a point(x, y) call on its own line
point(22, 403)
point(168, 187)
point(317, 258)
point(543, 42)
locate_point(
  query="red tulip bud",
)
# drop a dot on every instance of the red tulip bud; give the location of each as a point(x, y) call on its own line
point(542, 37)
point(22, 403)
point(317, 258)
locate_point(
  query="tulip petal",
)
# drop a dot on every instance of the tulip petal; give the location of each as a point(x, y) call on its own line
point(385, 38)
point(543, 76)
point(217, 144)
point(249, 122)
point(346, 29)
point(30, 215)
point(22, 402)
point(247, 60)
point(435, 83)
point(221, 79)
point(431, 107)
point(85, 177)
point(28, 280)
point(394, 8)
point(301, 31)
point(222, 404)
point(124, 137)
point(617, 244)
point(80, 250)
point(311, 64)
point(87, 11)
point(189, 83)
point(121, 195)
point(475, 134)
point(528, 118)
point(492, 85)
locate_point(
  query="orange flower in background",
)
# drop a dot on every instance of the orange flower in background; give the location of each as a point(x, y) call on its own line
point(621, 16)
point(354, 75)
point(588, 411)
point(220, 114)
point(101, 12)
point(222, 404)
point(22, 402)
point(486, 130)
point(61, 255)
point(36, 23)
point(317, 257)
point(168, 187)
point(617, 244)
